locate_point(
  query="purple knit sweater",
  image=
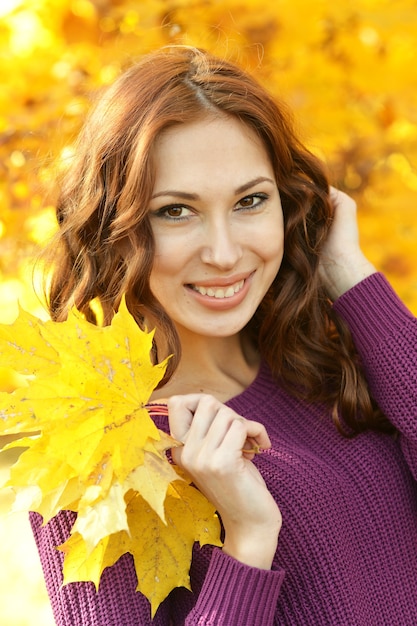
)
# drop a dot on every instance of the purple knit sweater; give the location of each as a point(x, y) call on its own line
point(347, 551)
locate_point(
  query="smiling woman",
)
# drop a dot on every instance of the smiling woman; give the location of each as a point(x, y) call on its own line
point(190, 195)
point(221, 249)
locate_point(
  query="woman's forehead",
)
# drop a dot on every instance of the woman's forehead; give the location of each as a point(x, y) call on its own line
point(218, 147)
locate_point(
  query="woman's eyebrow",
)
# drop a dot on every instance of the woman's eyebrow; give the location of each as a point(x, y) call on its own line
point(177, 194)
point(252, 183)
point(194, 196)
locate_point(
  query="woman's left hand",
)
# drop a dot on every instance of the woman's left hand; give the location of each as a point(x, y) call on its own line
point(343, 263)
point(217, 457)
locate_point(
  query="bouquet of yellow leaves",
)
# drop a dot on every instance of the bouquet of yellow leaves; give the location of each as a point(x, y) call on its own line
point(92, 447)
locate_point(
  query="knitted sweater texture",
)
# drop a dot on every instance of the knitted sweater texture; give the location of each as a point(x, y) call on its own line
point(347, 551)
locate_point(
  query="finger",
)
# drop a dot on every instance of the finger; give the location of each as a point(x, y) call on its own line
point(234, 437)
point(342, 200)
point(181, 411)
point(211, 422)
point(192, 417)
point(203, 422)
point(256, 433)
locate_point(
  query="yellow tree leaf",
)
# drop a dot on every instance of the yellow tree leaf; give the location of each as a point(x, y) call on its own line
point(161, 551)
point(190, 517)
point(92, 447)
point(96, 396)
point(81, 565)
point(151, 480)
point(11, 380)
point(24, 348)
point(102, 518)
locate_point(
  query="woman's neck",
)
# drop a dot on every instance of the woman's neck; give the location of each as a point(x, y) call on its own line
point(222, 367)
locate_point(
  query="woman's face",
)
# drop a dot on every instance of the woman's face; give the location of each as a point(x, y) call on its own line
point(217, 222)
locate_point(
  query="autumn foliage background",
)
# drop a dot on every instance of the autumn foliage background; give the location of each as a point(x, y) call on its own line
point(347, 68)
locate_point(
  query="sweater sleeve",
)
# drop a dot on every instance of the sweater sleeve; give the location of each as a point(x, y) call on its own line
point(223, 600)
point(116, 601)
point(385, 335)
point(234, 594)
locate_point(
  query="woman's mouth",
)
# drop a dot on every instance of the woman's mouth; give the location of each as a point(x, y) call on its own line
point(219, 292)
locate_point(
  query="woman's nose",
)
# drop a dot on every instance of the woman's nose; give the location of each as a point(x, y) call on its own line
point(222, 247)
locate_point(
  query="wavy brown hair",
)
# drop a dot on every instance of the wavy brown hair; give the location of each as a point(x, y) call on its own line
point(104, 247)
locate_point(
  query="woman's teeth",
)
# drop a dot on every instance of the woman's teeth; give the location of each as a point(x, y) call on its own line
point(219, 292)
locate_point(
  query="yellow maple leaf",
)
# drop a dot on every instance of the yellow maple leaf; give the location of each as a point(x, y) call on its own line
point(93, 448)
point(27, 357)
point(189, 518)
point(97, 380)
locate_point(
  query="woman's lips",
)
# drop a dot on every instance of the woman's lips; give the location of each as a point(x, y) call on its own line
point(219, 292)
point(222, 296)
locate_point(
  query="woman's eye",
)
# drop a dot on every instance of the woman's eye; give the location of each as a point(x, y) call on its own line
point(247, 202)
point(252, 201)
point(174, 212)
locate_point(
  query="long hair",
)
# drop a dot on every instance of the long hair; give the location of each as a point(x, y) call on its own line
point(105, 247)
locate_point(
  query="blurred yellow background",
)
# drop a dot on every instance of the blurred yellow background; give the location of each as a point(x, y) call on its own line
point(347, 68)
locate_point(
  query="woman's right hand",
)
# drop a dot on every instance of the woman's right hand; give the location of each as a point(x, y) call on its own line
point(213, 455)
point(343, 263)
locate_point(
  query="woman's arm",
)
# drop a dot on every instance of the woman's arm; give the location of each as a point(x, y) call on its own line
point(240, 586)
point(385, 335)
point(234, 594)
point(383, 329)
point(214, 456)
point(343, 264)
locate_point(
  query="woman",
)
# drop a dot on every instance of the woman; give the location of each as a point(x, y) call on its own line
point(191, 194)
